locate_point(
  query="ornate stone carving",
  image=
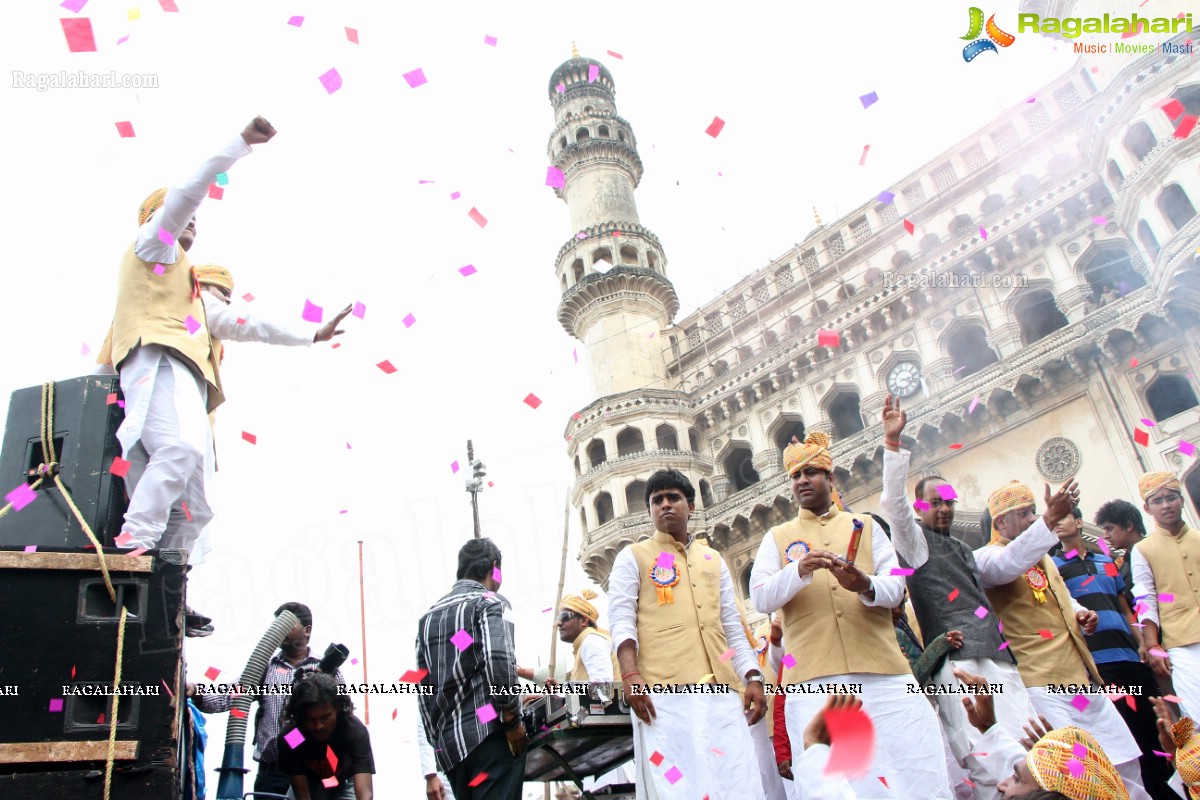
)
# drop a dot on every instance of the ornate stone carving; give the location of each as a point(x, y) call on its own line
point(1058, 459)
point(1073, 249)
point(1112, 228)
point(907, 341)
point(743, 430)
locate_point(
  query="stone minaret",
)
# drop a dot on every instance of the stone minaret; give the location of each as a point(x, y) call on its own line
point(615, 290)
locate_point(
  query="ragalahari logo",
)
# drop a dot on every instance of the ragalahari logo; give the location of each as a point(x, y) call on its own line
point(995, 36)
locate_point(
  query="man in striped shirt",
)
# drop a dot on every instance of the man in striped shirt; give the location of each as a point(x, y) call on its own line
point(465, 641)
point(1095, 583)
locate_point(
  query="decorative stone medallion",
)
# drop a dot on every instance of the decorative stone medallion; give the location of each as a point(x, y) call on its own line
point(1058, 459)
point(1112, 228)
point(1073, 248)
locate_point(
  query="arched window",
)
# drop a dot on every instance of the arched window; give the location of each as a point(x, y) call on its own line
point(739, 468)
point(587, 109)
point(562, 142)
point(1174, 204)
point(991, 204)
point(1025, 186)
point(1115, 176)
point(630, 441)
point(694, 440)
point(1191, 482)
point(582, 135)
point(960, 225)
point(1109, 268)
point(706, 497)
point(901, 259)
point(603, 131)
point(596, 452)
point(577, 269)
point(1169, 395)
point(666, 437)
point(604, 508)
point(620, 135)
point(744, 581)
point(784, 435)
point(564, 282)
point(602, 258)
point(629, 255)
point(635, 497)
point(1148, 240)
point(1038, 315)
point(583, 521)
point(1139, 140)
point(845, 415)
point(969, 351)
point(651, 261)
point(928, 242)
point(577, 472)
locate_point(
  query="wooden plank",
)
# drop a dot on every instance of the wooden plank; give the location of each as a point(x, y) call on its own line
point(52, 752)
point(10, 559)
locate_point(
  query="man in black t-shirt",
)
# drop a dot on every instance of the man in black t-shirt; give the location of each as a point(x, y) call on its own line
point(324, 748)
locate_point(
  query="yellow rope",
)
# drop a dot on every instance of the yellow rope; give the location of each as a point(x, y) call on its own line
point(112, 723)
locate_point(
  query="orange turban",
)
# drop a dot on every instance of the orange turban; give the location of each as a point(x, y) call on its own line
point(213, 275)
point(1187, 754)
point(151, 204)
point(1151, 482)
point(814, 451)
point(1010, 497)
point(1071, 762)
point(580, 605)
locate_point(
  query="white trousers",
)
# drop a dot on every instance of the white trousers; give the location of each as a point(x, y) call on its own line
point(169, 461)
point(764, 751)
point(1185, 676)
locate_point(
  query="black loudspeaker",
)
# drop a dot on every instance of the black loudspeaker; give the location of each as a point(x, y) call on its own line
point(85, 442)
point(58, 651)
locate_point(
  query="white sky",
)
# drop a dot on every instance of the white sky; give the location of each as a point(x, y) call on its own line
point(331, 210)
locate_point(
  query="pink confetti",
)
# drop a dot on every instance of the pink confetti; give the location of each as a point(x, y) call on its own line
point(946, 491)
point(56, 705)
point(728, 654)
point(921, 505)
point(1104, 546)
point(360, 310)
point(455, 195)
point(294, 738)
point(352, 35)
point(31, 548)
point(496, 575)
point(1002, 646)
point(1161, 753)
point(532, 400)
point(249, 437)
point(1070, 555)
point(828, 338)
point(125, 129)
point(665, 560)
point(79, 35)
point(311, 312)
point(467, 271)
point(296, 21)
point(1149, 423)
point(119, 467)
point(905, 571)
point(593, 73)
point(330, 782)
point(486, 713)
point(249, 298)
point(1076, 767)
point(1080, 702)
point(554, 178)
point(215, 192)
point(386, 366)
point(84, 350)
point(862, 162)
point(617, 56)
point(1099, 221)
point(789, 661)
point(673, 774)
point(454, 467)
point(1187, 448)
point(953, 595)
point(974, 404)
point(331, 80)
point(139, 551)
point(869, 99)
point(74, 6)
point(1165, 597)
point(715, 127)
point(1079, 750)
point(21, 496)
point(981, 612)
point(562, 87)
point(581, 235)
point(192, 325)
point(490, 41)
point(166, 237)
point(409, 320)
point(415, 78)
point(124, 539)
point(480, 219)
point(211, 673)
point(462, 640)
point(983, 232)
point(123, 40)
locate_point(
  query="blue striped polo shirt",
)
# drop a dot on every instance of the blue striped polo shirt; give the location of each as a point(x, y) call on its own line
point(1094, 582)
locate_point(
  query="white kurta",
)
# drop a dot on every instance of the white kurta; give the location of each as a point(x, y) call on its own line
point(704, 736)
point(1185, 659)
point(909, 753)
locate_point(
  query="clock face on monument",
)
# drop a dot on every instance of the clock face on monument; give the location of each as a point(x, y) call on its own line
point(904, 379)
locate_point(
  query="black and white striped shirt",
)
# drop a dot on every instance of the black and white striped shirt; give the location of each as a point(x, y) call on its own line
point(463, 678)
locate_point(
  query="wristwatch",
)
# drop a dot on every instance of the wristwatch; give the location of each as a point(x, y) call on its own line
point(755, 678)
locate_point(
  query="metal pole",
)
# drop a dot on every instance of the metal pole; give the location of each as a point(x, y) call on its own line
point(362, 608)
point(562, 577)
point(474, 490)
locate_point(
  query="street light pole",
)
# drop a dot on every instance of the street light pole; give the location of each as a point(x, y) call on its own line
point(475, 484)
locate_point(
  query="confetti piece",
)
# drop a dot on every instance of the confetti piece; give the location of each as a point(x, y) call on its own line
point(851, 741)
point(486, 713)
point(395, 711)
point(1171, 107)
point(164, 684)
point(56, 705)
point(331, 80)
point(1002, 646)
point(1149, 423)
point(454, 467)
point(462, 640)
point(119, 467)
point(386, 366)
point(983, 232)
point(665, 560)
point(981, 612)
point(79, 35)
point(294, 738)
point(593, 73)
point(166, 237)
point(237, 712)
point(1185, 127)
point(330, 782)
point(1170, 698)
point(467, 271)
point(1079, 750)
point(869, 100)
point(532, 400)
point(125, 129)
point(215, 192)
point(789, 661)
point(211, 673)
point(296, 21)
point(352, 35)
point(905, 571)
point(123, 40)
point(673, 775)
point(249, 437)
point(1133, 362)
point(414, 676)
point(1187, 448)
point(862, 161)
point(21, 496)
point(1045, 634)
point(554, 178)
point(84, 350)
point(715, 127)
point(1080, 702)
point(974, 404)
point(953, 595)
point(956, 446)
point(409, 320)
point(1103, 545)
point(311, 313)
point(1075, 767)
point(886, 198)
point(75, 6)
point(656, 758)
point(617, 56)
point(125, 539)
point(828, 338)
point(496, 575)
point(480, 219)
point(562, 87)
point(1070, 555)
point(31, 548)
point(455, 195)
point(1141, 437)
point(728, 654)
point(1164, 597)
point(249, 298)
point(360, 310)
point(947, 491)
point(1099, 220)
point(133, 13)
point(490, 41)
point(908, 226)
point(415, 78)
point(478, 779)
point(921, 505)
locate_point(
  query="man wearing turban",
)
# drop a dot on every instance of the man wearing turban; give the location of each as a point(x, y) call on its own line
point(1168, 592)
point(595, 661)
point(837, 627)
point(1069, 761)
point(1043, 622)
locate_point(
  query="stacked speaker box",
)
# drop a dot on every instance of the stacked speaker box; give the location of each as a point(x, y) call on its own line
point(58, 655)
point(87, 413)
